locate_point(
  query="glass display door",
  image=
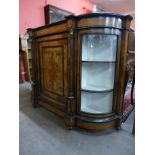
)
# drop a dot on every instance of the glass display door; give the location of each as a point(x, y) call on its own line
point(98, 65)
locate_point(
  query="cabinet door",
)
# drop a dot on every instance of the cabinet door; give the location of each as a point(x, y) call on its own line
point(53, 71)
point(98, 69)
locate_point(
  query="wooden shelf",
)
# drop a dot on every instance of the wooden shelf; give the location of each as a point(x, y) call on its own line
point(97, 91)
point(26, 48)
point(86, 61)
point(29, 55)
point(91, 88)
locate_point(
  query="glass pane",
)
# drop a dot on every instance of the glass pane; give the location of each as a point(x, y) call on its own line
point(98, 72)
point(98, 76)
point(96, 102)
point(99, 47)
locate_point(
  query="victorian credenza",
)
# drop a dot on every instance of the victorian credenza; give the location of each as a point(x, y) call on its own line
point(78, 68)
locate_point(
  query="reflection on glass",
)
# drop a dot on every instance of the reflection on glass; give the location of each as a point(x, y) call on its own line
point(96, 102)
point(98, 76)
point(99, 47)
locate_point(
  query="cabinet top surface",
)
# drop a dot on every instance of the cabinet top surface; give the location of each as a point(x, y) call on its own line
point(86, 16)
point(104, 14)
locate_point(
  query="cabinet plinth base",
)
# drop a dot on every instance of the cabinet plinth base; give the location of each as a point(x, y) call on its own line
point(84, 122)
point(96, 124)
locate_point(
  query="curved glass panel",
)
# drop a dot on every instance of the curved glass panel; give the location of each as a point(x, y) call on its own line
point(98, 76)
point(99, 47)
point(96, 102)
point(98, 72)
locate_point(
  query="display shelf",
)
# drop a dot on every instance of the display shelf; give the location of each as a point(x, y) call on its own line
point(98, 77)
point(96, 102)
point(89, 61)
point(95, 89)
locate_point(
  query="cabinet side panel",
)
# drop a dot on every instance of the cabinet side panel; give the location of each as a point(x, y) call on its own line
point(120, 90)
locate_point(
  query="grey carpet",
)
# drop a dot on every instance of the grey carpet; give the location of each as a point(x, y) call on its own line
point(43, 133)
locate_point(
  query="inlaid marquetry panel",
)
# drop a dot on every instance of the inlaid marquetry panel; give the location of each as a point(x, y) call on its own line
point(52, 71)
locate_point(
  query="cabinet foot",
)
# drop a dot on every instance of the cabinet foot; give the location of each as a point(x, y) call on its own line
point(69, 121)
point(35, 105)
point(69, 127)
point(118, 127)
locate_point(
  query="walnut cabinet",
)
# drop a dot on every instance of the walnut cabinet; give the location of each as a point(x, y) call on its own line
point(78, 68)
